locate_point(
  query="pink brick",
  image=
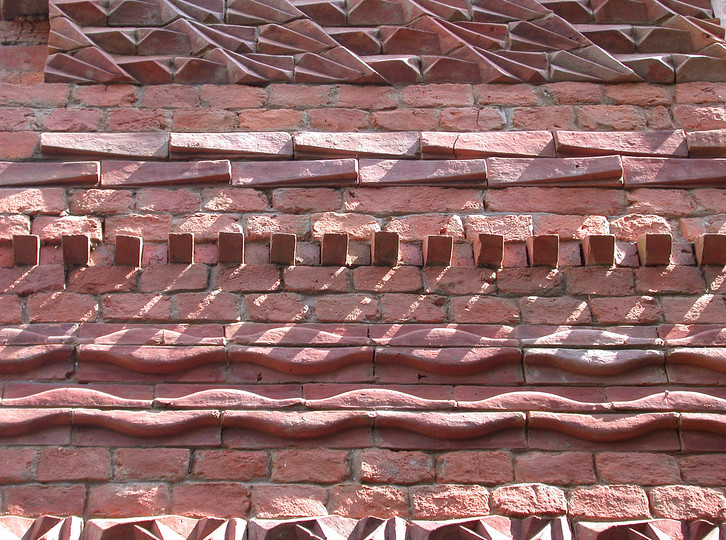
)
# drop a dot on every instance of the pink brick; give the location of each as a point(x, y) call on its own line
point(282, 501)
point(358, 227)
point(18, 145)
point(388, 467)
point(615, 117)
point(609, 502)
point(573, 92)
point(357, 501)
point(455, 280)
point(637, 468)
point(626, 310)
point(483, 309)
point(151, 463)
point(206, 227)
point(211, 499)
point(74, 464)
point(131, 306)
point(408, 119)
point(553, 117)
point(102, 279)
point(367, 97)
point(385, 279)
point(600, 281)
point(707, 308)
point(525, 281)
point(700, 92)
point(688, 503)
point(150, 227)
point(294, 465)
point(61, 307)
point(73, 120)
point(170, 96)
point(43, 95)
point(122, 500)
point(251, 278)
point(568, 201)
point(346, 308)
point(642, 94)
point(300, 95)
point(571, 227)
point(11, 310)
point(217, 464)
point(317, 279)
point(281, 307)
point(299, 200)
point(261, 227)
point(51, 229)
point(663, 202)
point(509, 95)
point(230, 199)
point(675, 279)
point(174, 277)
point(567, 468)
point(493, 467)
point(203, 119)
point(705, 469)
point(512, 227)
point(100, 201)
point(449, 501)
point(16, 465)
point(117, 95)
point(338, 119)
point(138, 120)
point(629, 228)
point(693, 117)
point(270, 120)
point(232, 96)
point(412, 308)
point(12, 225)
point(38, 500)
point(525, 500)
point(405, 200)
point(541, 310)
point(207, 306)
point(415, 228)
point(174, 201)
point(437, 95)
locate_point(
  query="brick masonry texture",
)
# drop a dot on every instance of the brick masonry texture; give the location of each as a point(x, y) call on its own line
point(527, 323)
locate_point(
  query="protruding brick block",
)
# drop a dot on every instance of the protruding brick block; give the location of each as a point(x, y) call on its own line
point(489, 250)
point(543, 250)
point(334, 249)
point(710, 249)
point(655, 249)
point(282, 249)
point(437, 250)
point(231, 248)
point(599, 250)
point(129, 250)
point(385, 248)
point(26, 249)
point(181, 248)
point(76, 249)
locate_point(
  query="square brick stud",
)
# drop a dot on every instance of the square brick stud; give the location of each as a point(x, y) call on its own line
point(181, 248)
point(489, 250)
point(231, 248)
point(76, 249)
point(282, 249)
point(384, 249)
point(544, 250)
point(599, 250)
point(711, 249)
point(129, 250)
point(26, 249)
point(437, 250)
point(334, 249)
point(655, 249)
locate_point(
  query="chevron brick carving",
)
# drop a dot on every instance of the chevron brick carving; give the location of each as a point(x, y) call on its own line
point(376, 41)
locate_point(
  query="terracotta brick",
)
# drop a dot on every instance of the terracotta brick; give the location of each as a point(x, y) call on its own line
point(367, 97)
point(206, 226)
point(459, 280)
point(599, 250)
point(17, 119)
point(629, 228)
point(203, 119)
point(573, 92)
point(121, 500)
point(229, 199)
point(543, 250)
point(385, 466)
point(472, 119)
point(52, 229)
point(346, 308)
point(693, 117)
point(609, 502)
point(659, 117)
point(283, 501)
point(357, 501)
point(567, 468)
point(626, 310)
point(116, 95)
point(357, 226)
point(261, 227)
point(525, 500)
point(385, 248)
point(73, 120)
point(338, 119)
point(655, 249)
point(43, 95)
point(299, 200)
point(100, 201)
point(232, 96)
point(409, 119)
point(662, 202)
point(61, 307)
point(448, 501)
point(688, 503)
point(150, 227)
point(207, 306)
point(129, 306)
point(315, 279)
point(568, 201)
point(76, 249)
point(673, 279)
point(11, 310)
point(26, 249)
point(38, 500)
point(170, 96)
point(612, 117)
point(181, 248)
point(138, 120)
point(129, 250)
point(18, 145)
point(170, 464)
point(540, 310)
point(405, 200)
point(174, 277)
point(599, 281)
point(210, 499)
point(384, 279)
point(525, 281)
point(16, 465)
point(437, 95)
point(74, 464)
point(553, 117)
point(571, 227)
point(216, 464)
point(700, 92)
point(295, 466)
point(636, 468)
point(271, 120)
point(415, 228)
point(477, 467)
point(102, 279)
point(299, 95)
point(281, 307)
point(702, 309)
point(174, 201)
point(647, 95)
point(412, 308)
point(283, 249)
point(483, 309)
point(514, 95)
point(705, 469)
point(334, 249)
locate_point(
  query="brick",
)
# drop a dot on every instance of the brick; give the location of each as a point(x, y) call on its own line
point(231, 248)
point(367, 97)
point(437, 95)
point(248, 278)
point(276, 307)
point(150, 173)
point(215, 499)
point(571, 227)
point(437, 250)
point(691, 228)
point(710, 249)
point(543, 250)
point(385, 248)
point(540, 310)
point(385, 466)
point(271, 120)
point(626, 310)
point(642, 94)
point(11, 310)
point(565, 469)
point(74, 464)
point(632, 226)
point(217, 464)
point(702, 309)
point(12, 226)
point(121, 500)
point(614, 117)
point(169, 464)
point(232, 96)
point(412, 308)
point(515, 95)
point(299, 200)
point(478, 467)
point(61, 307)
point(358, 501)
point(261, 227)
point(358, 227)
point(287, 95)
point(76, 249)
point(604, 171)
point(174, 201)
point(599, 281)
point(573, 92)
point(234, 200)
point(100, 202)
point(281, 501)
point(711, 200)
point(181, 248)
point(49, 173)
point(52, 229)
point(117, 95)
point(129, 306)
point(568, 201)
point(599, 250)
point(294, 465)
point(694, 117)
point(174, 277)
point(346, 308)
point(659, 117)
point(124, 145)
point(102, 279)
point(448, 501)
point(17, 465)
point(525, 500)
point(471, 119)
point(18, 145)
point(73, 120)
point(138, 120)
point(488, 250)
point(39, 500)
point(128, 250)
point(525, 281)
point(654, 249)
point(662, 202)
point(458, 280)
point(688, 503)
point(338, 119)
point(483, 309)
point(544, 118)
point(170, 96)
point(17, 119)
point(315, 279)
point(704, 469)
point(26, 281)
point(412, 119)
point(283, 249)
point(673, 279)
point(609, 502)
point(26, 249)
point(706, 144)
point(207, 306)
point(403, 200)
point(637, 468)
point(334, 249)
point(415, 228)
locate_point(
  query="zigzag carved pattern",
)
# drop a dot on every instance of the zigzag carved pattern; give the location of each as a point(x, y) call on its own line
point(372, 41)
